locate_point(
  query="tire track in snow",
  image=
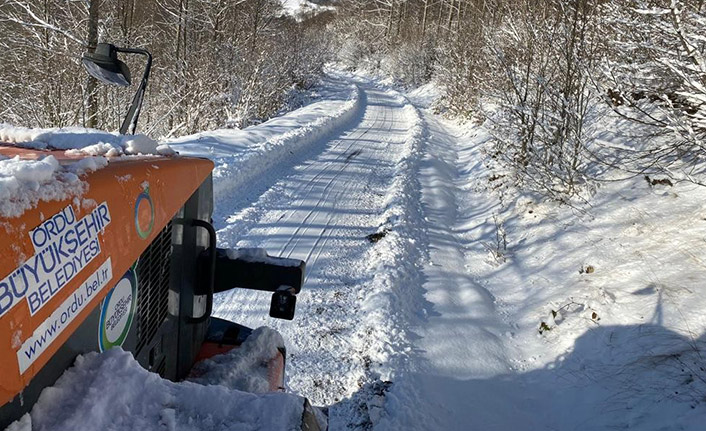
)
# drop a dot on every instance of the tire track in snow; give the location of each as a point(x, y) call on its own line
point(343, 160)
point(300, 144)
point(310, 185)
point(322, 212)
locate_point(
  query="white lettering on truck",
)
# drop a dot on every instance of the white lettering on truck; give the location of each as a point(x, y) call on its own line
point(50, 329)
point(63, 247)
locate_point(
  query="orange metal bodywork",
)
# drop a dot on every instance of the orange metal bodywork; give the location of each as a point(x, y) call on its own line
point(142, 194)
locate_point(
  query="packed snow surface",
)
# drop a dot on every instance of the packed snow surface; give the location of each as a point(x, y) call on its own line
point(440, 296)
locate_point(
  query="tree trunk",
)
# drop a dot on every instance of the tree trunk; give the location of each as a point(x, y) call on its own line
point(91, 85)
point(390, 18)
point(424, 17)
point(439, 18)
point(451, 15)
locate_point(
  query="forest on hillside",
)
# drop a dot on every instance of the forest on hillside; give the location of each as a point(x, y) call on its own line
point(216, 63)
point(541, 73)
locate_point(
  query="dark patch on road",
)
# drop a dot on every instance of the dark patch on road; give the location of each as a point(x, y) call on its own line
point(377, 236)
point(352, 155)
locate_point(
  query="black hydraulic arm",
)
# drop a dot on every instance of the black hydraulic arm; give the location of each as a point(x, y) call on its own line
point(259, 272)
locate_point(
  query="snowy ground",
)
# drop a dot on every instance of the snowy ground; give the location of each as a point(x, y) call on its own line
point(449, 303)
point(111, 391)
point(439, 297)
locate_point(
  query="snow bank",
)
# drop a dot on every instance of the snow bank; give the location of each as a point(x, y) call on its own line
point(244, 368)
point(425, 96)
point(393, 262)
point(111, 391)
point(243, 157)
point(23, 183)
point(390, 285)
point(82, 141)
point(269, 154)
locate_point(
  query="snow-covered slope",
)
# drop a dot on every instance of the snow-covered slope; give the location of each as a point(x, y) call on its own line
point(547, 316)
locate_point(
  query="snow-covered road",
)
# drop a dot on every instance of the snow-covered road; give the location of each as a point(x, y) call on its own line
point(321, 211)
point(437, 295)
point(398, 307)
point(411, 280)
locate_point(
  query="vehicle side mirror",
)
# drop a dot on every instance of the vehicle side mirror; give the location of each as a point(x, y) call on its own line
point(284, 301)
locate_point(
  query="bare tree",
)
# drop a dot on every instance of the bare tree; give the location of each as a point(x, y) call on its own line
point(217, 62)
point(91, 84)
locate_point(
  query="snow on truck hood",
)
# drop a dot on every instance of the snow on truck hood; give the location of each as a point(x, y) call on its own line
point(46, 164)
point(82, 141)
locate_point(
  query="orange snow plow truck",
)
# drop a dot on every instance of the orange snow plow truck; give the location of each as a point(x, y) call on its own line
point(132, 262)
